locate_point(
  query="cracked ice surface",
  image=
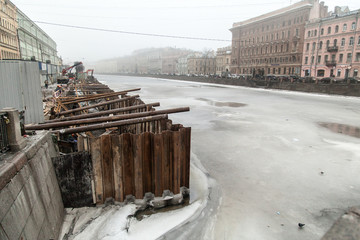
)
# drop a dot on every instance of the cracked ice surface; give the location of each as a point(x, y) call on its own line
point(266, 157)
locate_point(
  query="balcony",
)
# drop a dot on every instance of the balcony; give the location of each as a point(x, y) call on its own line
point(333, 49)
point(330, 63)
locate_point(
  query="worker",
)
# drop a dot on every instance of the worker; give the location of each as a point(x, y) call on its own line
point(46, 84)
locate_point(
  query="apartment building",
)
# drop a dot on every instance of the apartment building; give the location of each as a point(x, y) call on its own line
point(9, 45)
point(223, 60)
point(332, 45)
point(272, 44)
point(35, 44)
point(202, 64)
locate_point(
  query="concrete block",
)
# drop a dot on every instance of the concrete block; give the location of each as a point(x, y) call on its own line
point(22, 236)
point(51, 148)
point(19, 160)
point(55, 221)
point(31, 191)
point(38, 212)
point(31, 229)
point(54, 180)
point(45, 231)
point(14, 221)
point(32, 149)
point(2, 234)
point(16, 184)
point(7, 172)
point(26, 172)
point(40, 178)
point(6, 200)
point(16, 141)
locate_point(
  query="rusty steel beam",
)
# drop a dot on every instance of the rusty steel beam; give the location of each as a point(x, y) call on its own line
point(102, 113)
point(97, 105)
point(105, 119)
point(110, 125)
point(84, 99)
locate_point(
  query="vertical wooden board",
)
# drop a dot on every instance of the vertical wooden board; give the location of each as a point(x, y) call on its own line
point(157, 163)
point(86, 144)
point(177, 162)
point(118, 168)
point(147, 159)
point(128, 170)
point(171, 161)
point(188, 155)
point(182, 156)
point(166, 159)
point(97, 169)
point(138, 164)
point(80, 143)
point(107, 165)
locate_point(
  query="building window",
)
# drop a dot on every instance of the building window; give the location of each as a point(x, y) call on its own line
point(321, 73)
point(351, 42)
point(315, 33)
point(357, 58)
point(343, 42)
point(349, 57)
point(355, 73)
point(329, 30)
point(335, 42)
point(353, 26)
point(314, 46)
point(306, 60)
point(297, 32)
point(307, 46)
point(322, 31)
point(337, 29)
point(308, 33)
point(312, 60)
point(320, 45)
point(359, 40)
point(344, 27)
point(319, 59)
point(326, 58)
point(327, 43)
point(338, 73)
point(341, 56)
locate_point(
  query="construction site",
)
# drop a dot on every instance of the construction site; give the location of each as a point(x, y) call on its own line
point(102, 147)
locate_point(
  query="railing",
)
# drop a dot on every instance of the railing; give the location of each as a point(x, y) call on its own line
point(330, 63)
point(4, 142)
point(333, 49)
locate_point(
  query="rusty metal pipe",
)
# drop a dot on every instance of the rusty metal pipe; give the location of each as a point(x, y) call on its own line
point(97, 105)
point(84, 99)
point(105, 119)
point(102, 113)
point(110, 125)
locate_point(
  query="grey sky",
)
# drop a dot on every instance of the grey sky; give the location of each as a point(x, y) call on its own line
point(193, 18)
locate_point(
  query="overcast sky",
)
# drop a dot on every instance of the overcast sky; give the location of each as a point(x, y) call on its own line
point(188, 18)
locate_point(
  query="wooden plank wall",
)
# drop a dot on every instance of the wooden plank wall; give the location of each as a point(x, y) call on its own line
point(138, 163)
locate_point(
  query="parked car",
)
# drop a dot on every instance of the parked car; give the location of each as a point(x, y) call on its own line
point(326, 80)
point(308, 79)
point(352, 80)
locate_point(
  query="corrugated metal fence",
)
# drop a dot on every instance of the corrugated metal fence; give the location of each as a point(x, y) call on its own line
point(20, 88)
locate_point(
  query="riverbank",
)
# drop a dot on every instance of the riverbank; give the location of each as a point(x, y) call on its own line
point(343, 89)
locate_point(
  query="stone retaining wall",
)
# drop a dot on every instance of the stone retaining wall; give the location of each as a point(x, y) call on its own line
point(30, 201)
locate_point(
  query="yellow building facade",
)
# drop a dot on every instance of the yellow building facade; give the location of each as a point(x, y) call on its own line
point(9, 44)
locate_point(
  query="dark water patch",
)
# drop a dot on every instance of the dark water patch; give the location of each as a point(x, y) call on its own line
point(222, 104)
point(140, 215)
point(342, 129)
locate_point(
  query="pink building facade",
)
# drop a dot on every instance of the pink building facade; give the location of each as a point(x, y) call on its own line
point(332, 46)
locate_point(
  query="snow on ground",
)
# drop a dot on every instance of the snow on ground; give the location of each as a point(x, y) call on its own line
point(112, 222)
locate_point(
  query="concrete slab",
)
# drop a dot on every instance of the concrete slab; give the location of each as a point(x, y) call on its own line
point(6, 200)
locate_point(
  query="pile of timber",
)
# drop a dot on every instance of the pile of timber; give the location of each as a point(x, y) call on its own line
point(94, 106)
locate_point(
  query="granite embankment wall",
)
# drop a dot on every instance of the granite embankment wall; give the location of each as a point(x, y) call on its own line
point(337, 89)
point(30, 200)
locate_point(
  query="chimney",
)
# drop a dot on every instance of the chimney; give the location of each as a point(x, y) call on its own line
point(337, 10)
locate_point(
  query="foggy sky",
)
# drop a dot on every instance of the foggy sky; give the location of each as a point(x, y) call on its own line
point(192, 18)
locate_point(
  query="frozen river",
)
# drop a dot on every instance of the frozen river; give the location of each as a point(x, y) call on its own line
point(273, 163)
